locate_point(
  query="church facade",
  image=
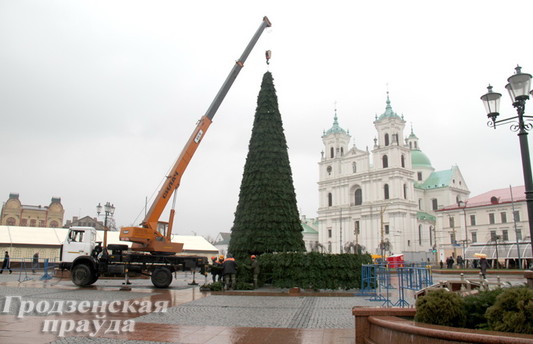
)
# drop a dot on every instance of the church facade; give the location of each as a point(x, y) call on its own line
point(384, 199)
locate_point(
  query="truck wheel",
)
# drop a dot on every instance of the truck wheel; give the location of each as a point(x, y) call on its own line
point(161, 277)
point(82, 275)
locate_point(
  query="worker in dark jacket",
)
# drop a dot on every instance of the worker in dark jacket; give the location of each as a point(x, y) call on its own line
point(6, 264)
point(229, 271)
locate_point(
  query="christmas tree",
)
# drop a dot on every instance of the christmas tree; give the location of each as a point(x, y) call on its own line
point(266, 219)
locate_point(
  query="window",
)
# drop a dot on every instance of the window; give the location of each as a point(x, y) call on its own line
point(386, 139)
point(419, 175)
point(405, 191)
point(358, 197)
point(474, 237)
point(329, 246)
point(505, 235)
point(491, 218)
point(516, 214)
point(503, 217)
point(386, 229)
point(472, 220)
point(354, 167)
point(330, 199)
point(452, 238)
point(519, 234)
point(331, 152)
point(23, 222)
point(329, 169)
point(419, 234)
point(395, 138)
point(434, 204)
point(329, 232)
point(54, 224)
point(11, 221)
point(386, 191)
point(493, 235)
point(403, 160)
point(452, 221)
point(385, 160)
point(420, 204)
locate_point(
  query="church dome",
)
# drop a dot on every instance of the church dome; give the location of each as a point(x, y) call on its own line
point(335, 129)
point(419, 159)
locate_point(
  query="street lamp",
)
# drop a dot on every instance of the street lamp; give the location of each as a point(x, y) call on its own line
point(109, 210)
point(519, 88)
point(462, 204)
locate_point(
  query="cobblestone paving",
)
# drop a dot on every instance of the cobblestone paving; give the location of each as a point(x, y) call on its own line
point(262, 311)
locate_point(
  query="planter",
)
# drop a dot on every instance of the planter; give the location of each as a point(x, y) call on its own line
point(395, 325)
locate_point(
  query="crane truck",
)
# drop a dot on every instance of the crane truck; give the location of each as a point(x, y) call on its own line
point(152, 252)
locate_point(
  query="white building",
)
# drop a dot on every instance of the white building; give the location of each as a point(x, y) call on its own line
point(387, 195)
point(494, 223)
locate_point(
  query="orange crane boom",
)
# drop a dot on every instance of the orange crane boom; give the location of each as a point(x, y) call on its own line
point(148, 237)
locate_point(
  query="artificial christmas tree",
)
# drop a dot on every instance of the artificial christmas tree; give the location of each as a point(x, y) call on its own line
point(266, 219)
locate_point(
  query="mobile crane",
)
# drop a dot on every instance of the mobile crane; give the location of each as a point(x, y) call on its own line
point(154, 253)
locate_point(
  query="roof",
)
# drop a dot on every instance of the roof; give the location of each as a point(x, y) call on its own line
point(438, 179)
point(335, 129)
point(419, 159)
point(388, 111)
point(493, 197)
point(308, 229)
point(55, 236)
point(224, 238)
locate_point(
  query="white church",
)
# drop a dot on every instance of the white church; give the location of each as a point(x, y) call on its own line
point(384, 199)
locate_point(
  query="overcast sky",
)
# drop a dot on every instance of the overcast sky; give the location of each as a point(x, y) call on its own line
point(97, 98)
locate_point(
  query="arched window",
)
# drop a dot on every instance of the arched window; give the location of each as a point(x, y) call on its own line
point(342, 151)
point(386, 139)
point(330, 199)
point(403, 160)
point(354, 167)
point(358, 197)
point(419, 234)
point(11, 221)
point(386, 191)
point(385, 160)
point(405, 191)
point(331, 152)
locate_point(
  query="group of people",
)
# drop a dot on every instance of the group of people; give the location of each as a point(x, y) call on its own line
point(6, 265)
point(225, 270)
point(482, 264)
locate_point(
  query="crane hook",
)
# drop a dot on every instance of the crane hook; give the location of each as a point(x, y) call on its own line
point(268, 55)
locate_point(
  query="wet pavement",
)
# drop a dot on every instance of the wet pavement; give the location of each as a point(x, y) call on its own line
point(56, 311)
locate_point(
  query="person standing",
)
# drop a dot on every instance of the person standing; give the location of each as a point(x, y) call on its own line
point(6, 264)
point(216, 269)
point(255, 270)
point(229, 271)
point(35, 265)
point(483, 265)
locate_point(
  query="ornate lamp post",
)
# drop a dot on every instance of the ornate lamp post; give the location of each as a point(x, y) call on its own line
point(519, 88)
point(109, 210)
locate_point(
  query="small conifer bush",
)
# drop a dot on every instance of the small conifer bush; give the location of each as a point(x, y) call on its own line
point(441, 307)
point(513, 311)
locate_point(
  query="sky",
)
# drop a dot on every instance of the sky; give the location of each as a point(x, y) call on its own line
point(98, 98)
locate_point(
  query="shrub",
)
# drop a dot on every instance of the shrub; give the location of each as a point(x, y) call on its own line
point(513, 311)
point(476, 305)
point(440, 307)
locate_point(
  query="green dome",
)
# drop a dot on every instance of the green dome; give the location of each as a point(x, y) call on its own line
point(335, 129)
point(419, 159)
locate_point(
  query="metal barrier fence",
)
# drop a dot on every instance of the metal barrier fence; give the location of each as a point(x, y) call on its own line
point(377, 282)
point(44, 268)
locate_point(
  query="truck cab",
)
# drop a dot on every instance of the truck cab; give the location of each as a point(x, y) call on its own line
point(80, 241)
